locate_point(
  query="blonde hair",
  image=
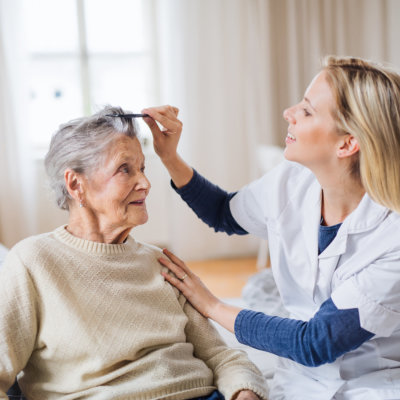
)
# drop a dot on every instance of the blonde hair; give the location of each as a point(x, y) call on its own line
point(368, 107)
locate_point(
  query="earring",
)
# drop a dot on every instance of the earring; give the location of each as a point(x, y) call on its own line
point(80, 205)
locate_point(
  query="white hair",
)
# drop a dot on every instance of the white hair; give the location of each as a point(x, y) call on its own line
point(80, 145)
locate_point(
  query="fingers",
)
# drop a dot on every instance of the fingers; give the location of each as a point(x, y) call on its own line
point(173, 281)
point(151, 123)
point(164, 110)
point(176, 260)
point(179, 272)
point(166, 116)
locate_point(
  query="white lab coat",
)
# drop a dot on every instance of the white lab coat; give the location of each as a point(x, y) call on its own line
point(359, 269)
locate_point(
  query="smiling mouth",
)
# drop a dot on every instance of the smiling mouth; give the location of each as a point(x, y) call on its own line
point(138, 202)
point(290, 138)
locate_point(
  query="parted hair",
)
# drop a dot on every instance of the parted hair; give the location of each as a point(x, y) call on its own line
point(368, 107)
point(81, 144)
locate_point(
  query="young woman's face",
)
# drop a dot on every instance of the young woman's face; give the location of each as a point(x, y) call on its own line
point(312, 137)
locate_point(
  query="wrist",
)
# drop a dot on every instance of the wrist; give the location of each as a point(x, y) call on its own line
point(223, 314)
point(180, 172)
point(214, 309)
point(170, 160)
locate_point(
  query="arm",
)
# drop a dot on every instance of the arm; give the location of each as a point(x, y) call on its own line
point(18, 320)
point(325, 337)
point(234, 375)
point(209, 202)
point(329, 334)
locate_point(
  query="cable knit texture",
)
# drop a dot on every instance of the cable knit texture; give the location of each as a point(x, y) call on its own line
point(90, 320)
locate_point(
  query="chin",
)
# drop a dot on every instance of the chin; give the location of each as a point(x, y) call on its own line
point(287, 155)
point(143, 220)
point(292, 155)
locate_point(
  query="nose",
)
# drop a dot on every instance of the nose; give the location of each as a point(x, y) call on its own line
point(143, 183)
point(288, 115)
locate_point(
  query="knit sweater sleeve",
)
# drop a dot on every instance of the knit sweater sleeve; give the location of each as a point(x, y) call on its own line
point(233, 371)
point(18, 319)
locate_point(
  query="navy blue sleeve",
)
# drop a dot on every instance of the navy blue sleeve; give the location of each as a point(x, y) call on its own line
point(210, 203)
point(328, 335)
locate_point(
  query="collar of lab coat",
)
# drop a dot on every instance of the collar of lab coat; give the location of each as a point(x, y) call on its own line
point(367, 216)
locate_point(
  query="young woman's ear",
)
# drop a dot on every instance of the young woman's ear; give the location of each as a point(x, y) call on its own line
point(348, 146)
point(73, 183)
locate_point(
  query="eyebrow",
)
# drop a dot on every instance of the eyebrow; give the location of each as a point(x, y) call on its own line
point(309, 102)
point(123, 158)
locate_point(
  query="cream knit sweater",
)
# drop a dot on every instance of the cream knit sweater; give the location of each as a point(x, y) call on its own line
point(87, 320)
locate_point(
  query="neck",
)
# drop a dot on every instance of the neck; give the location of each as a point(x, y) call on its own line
point(84, 225)
point(341, 194)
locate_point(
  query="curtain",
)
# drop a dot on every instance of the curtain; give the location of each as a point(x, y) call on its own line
point(15, 168)
point(233, 66)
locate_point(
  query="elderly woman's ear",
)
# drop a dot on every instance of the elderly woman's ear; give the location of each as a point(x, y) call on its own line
point(73, 183)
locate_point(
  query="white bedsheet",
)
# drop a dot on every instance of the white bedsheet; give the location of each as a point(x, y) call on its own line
point(259, 294)
point(265, 361)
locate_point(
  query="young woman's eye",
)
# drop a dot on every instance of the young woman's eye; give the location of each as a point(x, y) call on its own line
point(142, 169)
point(306, 113)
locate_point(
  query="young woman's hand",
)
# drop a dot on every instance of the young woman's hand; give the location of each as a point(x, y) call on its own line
point(165, 140)
point(197, 293)
point(189, 284)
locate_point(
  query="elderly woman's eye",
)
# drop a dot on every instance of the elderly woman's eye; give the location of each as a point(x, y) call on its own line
point(124, 168)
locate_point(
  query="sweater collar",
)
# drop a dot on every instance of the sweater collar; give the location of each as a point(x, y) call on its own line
point(89, 246)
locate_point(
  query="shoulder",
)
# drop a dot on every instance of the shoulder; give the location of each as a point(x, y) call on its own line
point(264, 199)
point(146, 254)
point(33, 252)
point(32, 246)
point(19, 266)
point(149, 254)
point(282, 183)
point(146, 249)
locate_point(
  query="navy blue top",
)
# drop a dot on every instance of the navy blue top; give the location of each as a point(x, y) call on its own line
point(325, 236)
point(322, 339)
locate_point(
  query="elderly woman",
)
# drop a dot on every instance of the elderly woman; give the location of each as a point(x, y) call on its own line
point(84, 310)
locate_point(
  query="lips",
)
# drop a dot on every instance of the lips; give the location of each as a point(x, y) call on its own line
point(290, 138)
point(138, 202)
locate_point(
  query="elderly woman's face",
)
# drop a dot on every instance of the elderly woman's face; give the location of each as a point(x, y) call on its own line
point(116, 192)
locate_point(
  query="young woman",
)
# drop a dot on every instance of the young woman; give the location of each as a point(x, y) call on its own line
point(331, 216)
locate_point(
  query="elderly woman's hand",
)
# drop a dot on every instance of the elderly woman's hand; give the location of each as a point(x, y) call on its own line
point(165, 140)
point(246, 395)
